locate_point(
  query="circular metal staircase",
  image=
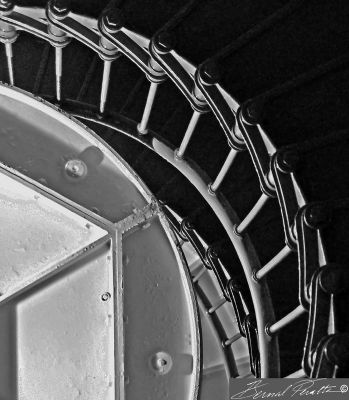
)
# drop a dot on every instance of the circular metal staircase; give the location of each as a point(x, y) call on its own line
point(235, 117)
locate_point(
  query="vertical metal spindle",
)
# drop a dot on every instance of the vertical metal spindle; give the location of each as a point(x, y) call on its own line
point(287, 319)
point(223, 172)
point(142, 126)
point(105, 85)
point(233, 339)
point(273, 262)
point(58, 61)
point(9, 56)
point(332, 326)
point(252, 214)
point(57, 11)
point(188, 134)
point(217, 305)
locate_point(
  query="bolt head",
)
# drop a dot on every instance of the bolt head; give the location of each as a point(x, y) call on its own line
point(288, 161)
point(252, 112)
point(60, 7)
point(113, 20)
point(161, 363)
point(6, 5)
point(75, 169)
point(334, 279)
point(106, 296)
point(188, 224)
point(235, 285)
point(164, 42)
point(337, 350)
point(317, 215)
point(211, 252)
point(209, 73)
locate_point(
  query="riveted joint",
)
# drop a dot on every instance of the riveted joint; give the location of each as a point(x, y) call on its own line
point(337, 350)
point(164, 42)
point(234, 286)
point(334, 279)
point(187, 225)
point(209, 73)
point(211, 253)
point(59, 9)
point(287, 161)
point(6, 7)
point(317, 216)
point(8, 33)
point(252, 112)
point(112, 20)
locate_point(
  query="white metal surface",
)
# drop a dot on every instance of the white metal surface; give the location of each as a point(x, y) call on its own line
point(96, 301)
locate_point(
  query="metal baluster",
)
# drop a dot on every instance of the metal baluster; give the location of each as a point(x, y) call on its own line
point(57, 11)
point(9, 56)
point(8, 35)
point(233, 339)
point(105, 85)
point(58, 61)
point(213, 187)
point(188, 134)
point(142, 126)
point(272, 263)
point(287, 319)
point(111, 22)
point(217, 305)
point(252, 214)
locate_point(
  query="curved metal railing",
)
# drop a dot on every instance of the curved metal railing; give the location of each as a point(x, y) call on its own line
point(109, 38)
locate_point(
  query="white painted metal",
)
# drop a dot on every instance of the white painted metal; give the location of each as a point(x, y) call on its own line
point(105, 85)
point(142, 126)
point(58, 67)
point(224, 170)
point(9, 56)
point(188, 134)
point(281, 255)
point(93, 285)
point(287, 319)
point(252, 214)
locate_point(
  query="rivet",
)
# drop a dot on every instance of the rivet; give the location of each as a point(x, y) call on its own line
point(75, 168)
point(161, 363)
point(106, 296)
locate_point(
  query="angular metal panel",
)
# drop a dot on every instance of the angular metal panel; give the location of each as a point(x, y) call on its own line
point(161, 358)
point(65, 333)
point(36, 235)
point(88, 309)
